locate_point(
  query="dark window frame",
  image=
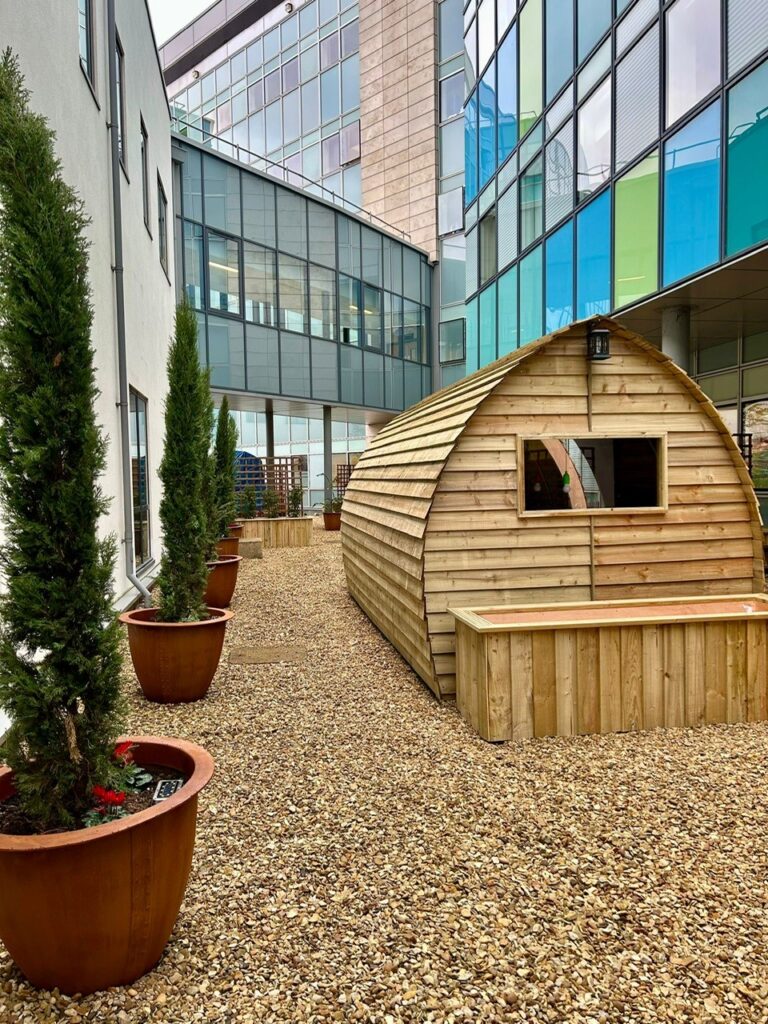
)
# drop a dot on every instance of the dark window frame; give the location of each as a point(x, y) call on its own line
point(120, 84)
point(162, 224)
point(145, 174)
point(142, 507)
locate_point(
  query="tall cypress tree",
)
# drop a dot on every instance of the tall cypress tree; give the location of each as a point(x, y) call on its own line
point(226, 450)
point(59, 640)
point(208, 456)
point(183, 572)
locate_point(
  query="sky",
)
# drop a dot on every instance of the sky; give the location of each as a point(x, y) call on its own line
point(168, 16)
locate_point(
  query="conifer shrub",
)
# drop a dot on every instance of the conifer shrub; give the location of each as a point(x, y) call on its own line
point(226, 450)
point(59, 639)
point(208, 457)
point(270, 505)
point(183, 572)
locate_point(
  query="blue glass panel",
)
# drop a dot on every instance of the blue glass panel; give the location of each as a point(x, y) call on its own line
point(471, 336)
point(531, 296)
point(559, 258)
point(747, 198)
point(488, 325)
point(594, 19)
point(470, 148)
point(507, 95)
point(559, 18)
point(692, 196)
point(487, 96)
point(507, 285)
point(593, 252)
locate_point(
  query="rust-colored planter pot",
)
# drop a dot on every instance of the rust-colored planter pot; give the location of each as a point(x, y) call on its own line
point(235, 530)
point(222, 579)
point(82, 911)
point(332, 520)
point(175, 661)
point(228, 546)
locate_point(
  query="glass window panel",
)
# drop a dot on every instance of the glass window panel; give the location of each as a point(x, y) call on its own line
point(328, 9)
point(593, 248)
point(291, 223)
point(256, 95)
point(487, 98)
point(350, 38)
point(223, 117)
point(559, 275)
point(223, 273)
point(411, 274)
point(559, 176)
point(294, 365)
point(471, 260)
point(531, 69)
point(531, 213)
point(396, 264)
point(310, 105)
point(507, 289)
point(256, 133)
point(254, 55)
point(192, 185)
point(349, 246)
point(636, 232)
point(353, 185)
point(451, 153)
point(272, 44)
point(226, 352)
point(486, 32)
point(237, 66)
point(350, 83)
point(507, 95)
point(393, 324)
point(594, 146)
point(559, 110)
point(747, 32)
point(722, 387)
point(291, 116)
point(470, 56)
point(594, 69)
point(747, 167)
point(531, 144)
point(637, 99)
point(322, 235)
point(274, 122)
point(559, 18)
point(289, 31)
point(451, 96)
point(325, 370)
point(263, 362)
point(692, 196)
point(507, 227)
point(451, 341)
point(222, 76)
point(193, 265)
point(412, 331)
point(717, 356)
point(371, 255)
point(350, 142)
point(349, 309)
point(756, 424)
point(293, 293)
point(291, 75)
point(450, 28)
point(208, 85)
point(311, 162)
point(487, 247)
point(329, 50)
point(329, 94)
point(322, 302)
point(505, 12)
point(488, 325)
point(272, 87)
point(308, 18)
point(351, 375)
point(452, 270)
point(470, 149)
point(331, 153)
point(310, 63)
point(222, 195)
point(259, 280)
point(472, 347)
point(258, 209)
point(630, 27)
point(692, 54)
point(755, 347)
point(371, 316)
point(594, 20)
point(531, 296)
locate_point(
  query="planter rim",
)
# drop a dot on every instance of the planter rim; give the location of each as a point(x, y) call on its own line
point(199, 778)
point(278, 519)
point(222, 559)
point(138, 617)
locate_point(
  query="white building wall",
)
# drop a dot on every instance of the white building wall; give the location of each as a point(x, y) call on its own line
point(44, 35)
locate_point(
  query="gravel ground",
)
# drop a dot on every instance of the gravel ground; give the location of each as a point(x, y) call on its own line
point(362, 856)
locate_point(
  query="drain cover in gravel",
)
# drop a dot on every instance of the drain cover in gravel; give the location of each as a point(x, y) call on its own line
point(267, 655)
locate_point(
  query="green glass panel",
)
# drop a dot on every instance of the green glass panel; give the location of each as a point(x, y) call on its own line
point(488, 325)
point(755, 381)
point(747, 169)
point(722, 387)
point(531, 296)
point(531, 65)
point(636, 232)
point(718, 356)
point(755, 347)
point(507, 285)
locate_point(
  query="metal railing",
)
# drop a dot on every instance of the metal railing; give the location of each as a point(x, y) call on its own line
point(286, 175)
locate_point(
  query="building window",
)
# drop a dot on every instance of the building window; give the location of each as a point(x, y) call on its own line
point(145, 172)
point(594, 148)
point(451, 96)
point(452, 341)
point(747, 156)
point(85, 27)
point(139, 479)
point(223, 274)
point(260, 285)
point(487, 247)
point(120, 112)
point(162, 224)
point(692, 54)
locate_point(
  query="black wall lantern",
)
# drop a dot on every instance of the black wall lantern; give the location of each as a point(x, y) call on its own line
point(598, 343)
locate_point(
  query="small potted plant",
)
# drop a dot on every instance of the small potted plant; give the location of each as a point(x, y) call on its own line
point(92, 870)
point(222, 569)
point(332, 508)
point(295, 502)
point(176, 646)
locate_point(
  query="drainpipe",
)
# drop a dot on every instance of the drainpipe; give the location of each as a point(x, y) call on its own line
point(122, 360)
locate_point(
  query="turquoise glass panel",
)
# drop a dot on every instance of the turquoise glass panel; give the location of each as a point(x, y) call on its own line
point(559, 260)
point(471, 336)
point(692, 196)
point(559, 18)
point(747, 167)
point(593, 263)
point(594, 20)
point(487, 106)
point(507, 288)
point(470, 149)
point(507, 95)
point(531, 296)
point(488, 325)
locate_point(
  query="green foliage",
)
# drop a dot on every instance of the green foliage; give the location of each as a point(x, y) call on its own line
point(295, 502)
point(208, 460)
point(225, 449)
point(59, 640)
point(270, 504)
point(247, 503)
point(183, 572)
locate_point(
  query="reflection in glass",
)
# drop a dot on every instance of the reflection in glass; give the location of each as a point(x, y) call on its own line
point(756, 424)
point(594, 142)
point(259, 280)
point(139, 478)
point(224, 273)
point(349, 309)
point(692, 54)
point(371, 316)
point(193, 264)
point(293, 293)
point(322, 302)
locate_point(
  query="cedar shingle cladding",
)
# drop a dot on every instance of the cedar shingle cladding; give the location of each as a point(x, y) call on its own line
point(430, 518)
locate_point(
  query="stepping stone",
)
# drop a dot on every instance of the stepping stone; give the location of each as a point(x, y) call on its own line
point(253, 548)
point(268, 655)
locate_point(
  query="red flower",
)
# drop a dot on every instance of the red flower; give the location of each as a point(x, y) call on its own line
point(108, 797)
point(123, 751)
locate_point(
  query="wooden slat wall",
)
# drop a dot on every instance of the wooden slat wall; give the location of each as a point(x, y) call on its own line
point(430, 517)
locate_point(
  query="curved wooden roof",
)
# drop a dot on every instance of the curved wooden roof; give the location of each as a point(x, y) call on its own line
point(391, 494)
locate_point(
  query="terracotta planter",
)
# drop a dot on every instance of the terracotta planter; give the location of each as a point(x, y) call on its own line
point(175, 661)
point(222, 578)
point(234, 530)
point(81, 911)
point(332, 520)
point(228, 546)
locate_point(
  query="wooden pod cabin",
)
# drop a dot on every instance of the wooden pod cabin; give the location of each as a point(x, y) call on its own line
point(547, 477)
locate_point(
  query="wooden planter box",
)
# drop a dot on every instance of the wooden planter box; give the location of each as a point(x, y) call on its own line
point(612, 666)
point(279, 533)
